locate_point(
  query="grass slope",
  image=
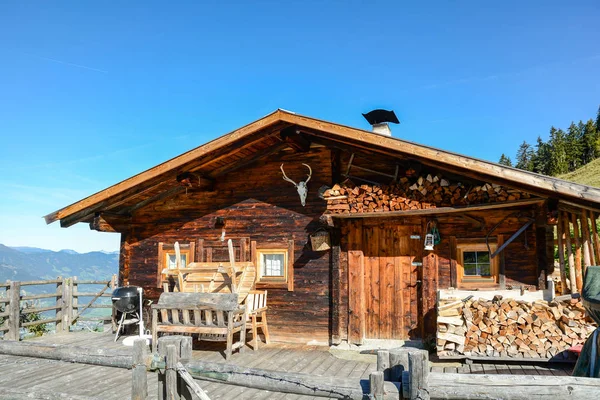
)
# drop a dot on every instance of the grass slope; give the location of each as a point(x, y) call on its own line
point(589, 174)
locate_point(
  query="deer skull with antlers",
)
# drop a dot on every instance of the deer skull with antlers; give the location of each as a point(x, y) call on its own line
point(300, 186)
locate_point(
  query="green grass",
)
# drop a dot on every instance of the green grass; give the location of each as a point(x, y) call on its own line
point(589, 174)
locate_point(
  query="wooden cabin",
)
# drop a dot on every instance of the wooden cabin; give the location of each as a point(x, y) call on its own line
point(373, 201)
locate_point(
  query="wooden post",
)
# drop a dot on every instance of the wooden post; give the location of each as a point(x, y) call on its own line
point(14, 310)
point(171, 373)
point(67, 307)
point(163, 343)
point(185, 355)
point(570, 258)
point(585, 229)
point(561, 256)
point(74, 300)
point(376, 385)
point(139, 379)
point(501, 264)
point(595, 236)
point(383, 363)
point(60, 325)
point(418, 369)
point(398, 363)
point(588, 215)
point(453, 261)
point(578, 269)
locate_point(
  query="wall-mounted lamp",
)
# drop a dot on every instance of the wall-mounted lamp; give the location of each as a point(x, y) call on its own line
point(429, 238)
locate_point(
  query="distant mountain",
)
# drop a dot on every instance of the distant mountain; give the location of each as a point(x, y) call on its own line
point(30, 263)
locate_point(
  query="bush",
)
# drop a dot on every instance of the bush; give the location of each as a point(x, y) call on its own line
point(37, 330)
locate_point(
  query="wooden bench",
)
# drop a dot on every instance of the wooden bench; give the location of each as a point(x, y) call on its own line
point(213, 316)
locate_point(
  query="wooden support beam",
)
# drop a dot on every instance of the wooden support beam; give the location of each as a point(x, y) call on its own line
point(453, 262)
point(295, 139)
point(594, 217)
point(440, 210)
point(588, 216)
point(158, 197)
point(571, 260)
point(229, 168)
point(501, 263)
point(578, 252)
point(585, 228)
point(108, 222)
point(561, 255)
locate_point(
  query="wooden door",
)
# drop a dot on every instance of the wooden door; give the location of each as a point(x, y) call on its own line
point(383, 280)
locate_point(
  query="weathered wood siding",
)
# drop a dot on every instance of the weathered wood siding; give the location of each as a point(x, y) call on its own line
point(256, 203)
point(521, 260)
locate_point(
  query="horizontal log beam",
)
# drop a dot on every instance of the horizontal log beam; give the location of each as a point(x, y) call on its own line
point(76, 354)
point(511, 387)
point(440, 210)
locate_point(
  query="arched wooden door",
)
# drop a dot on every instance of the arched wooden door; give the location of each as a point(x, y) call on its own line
point(383, 280)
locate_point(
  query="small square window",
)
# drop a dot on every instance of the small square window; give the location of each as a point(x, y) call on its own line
point(476, 267)
point(171, 260)
point(274, 264)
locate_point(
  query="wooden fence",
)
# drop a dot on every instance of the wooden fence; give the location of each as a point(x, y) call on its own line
point(68, 303)
point(402, 374)
point(578, 244)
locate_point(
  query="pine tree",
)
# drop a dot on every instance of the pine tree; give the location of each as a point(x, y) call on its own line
point(504, 160)
point(574, 147)
point(525, 157)
point(598, 120)
point(558, 152)
point(541, 159)
point(590, 137)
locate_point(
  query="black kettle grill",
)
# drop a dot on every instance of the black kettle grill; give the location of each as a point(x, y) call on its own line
point(127, 301)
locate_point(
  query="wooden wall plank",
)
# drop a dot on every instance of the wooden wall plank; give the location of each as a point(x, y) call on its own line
point(386, 282)
point(356, 269)
point(453, 271)
point(399, 289)
point(372, 264)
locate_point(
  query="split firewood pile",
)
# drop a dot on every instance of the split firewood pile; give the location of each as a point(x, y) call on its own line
point(429, 191)
point(510, 328)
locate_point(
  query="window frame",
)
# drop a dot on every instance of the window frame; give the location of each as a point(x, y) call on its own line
point(164, 250)
point(283, 247)
point(471, 281)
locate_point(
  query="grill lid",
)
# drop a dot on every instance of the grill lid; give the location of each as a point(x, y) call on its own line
point(125, 291)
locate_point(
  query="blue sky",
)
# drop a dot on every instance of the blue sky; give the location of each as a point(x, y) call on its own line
point(93, 92)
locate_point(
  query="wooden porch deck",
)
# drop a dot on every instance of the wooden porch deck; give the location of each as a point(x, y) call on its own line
point(22, 375)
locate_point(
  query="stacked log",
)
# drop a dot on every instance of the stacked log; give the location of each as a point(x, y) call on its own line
point(429, 191)
point(510, 328)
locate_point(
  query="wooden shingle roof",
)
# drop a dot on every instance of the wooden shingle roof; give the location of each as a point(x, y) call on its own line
point(261, 137)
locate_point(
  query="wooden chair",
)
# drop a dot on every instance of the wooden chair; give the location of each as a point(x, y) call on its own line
point(256, 305)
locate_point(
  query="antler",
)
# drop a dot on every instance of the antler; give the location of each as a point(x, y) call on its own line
point(309, 173)
point(285, 178)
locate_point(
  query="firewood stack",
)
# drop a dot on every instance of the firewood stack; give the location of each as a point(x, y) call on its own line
point(510, 328)
point(430, 191)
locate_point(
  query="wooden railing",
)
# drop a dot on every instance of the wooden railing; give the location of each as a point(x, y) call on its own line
point(67, 303)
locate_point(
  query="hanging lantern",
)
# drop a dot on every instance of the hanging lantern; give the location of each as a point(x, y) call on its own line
point(429, 239)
